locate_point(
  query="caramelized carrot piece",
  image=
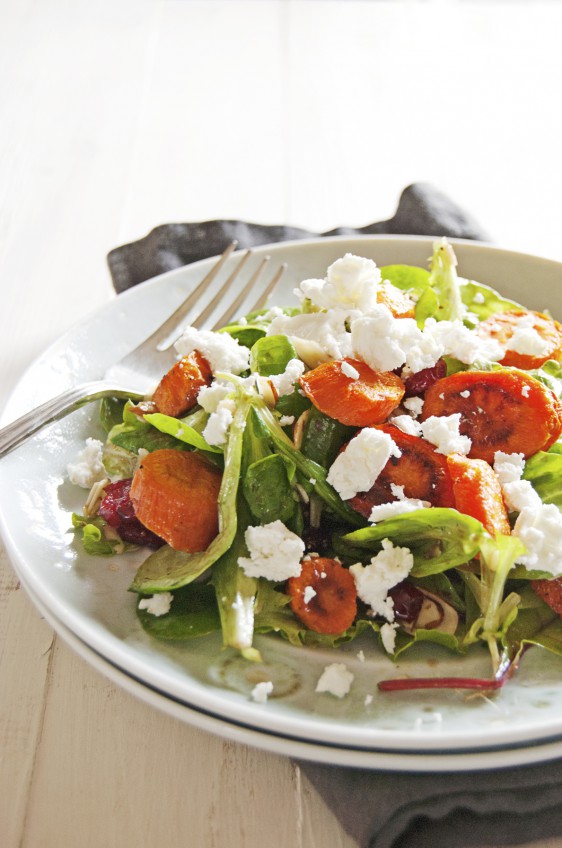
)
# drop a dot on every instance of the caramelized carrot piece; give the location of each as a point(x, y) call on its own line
point(175, 494)
point(420, 470)
point(503, 325)
point(177, 391)
point(478, 492)
point(500, 410)
point(358, 402)
point(399, 303)
point(550, 591)
point(333, 607)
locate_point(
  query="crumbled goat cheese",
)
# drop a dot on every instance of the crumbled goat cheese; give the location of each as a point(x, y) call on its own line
point(361, 656)
point(397, 491)
point(407, 424)
point(389, 510)
point(222, 351)
point(443, 432)
point(285, 383)
point(414, 405)
point(463, 343)
point(349, 371)
point(386, 343)
point(351, 283)
point(275, 552)
point(538, 525)
point(261, 691)
point(388, 568)
point(216, 430)
point(525, 339)
point(242, 321)
point(357, 467)
point(526, 391)
point(88, 468)
point(478, 298)
point(272, 312)
point(388, 637)
point(158, 604)
point(287, 420)
point(368, 700)
point(326, 329)
point(465, 394)
point(308, 594)
point(335, 679)
point(209, 397)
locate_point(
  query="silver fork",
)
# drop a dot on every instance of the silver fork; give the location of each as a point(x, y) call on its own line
point(138, 371)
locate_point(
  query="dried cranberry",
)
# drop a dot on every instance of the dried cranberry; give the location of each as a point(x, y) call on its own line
point(117, 509)
point(115, 502)
point(408, 602)
point(419, 383)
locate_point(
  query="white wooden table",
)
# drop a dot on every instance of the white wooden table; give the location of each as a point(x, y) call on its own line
point(117, 116)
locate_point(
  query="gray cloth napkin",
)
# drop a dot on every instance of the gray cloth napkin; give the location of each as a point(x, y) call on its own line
point(383, 809)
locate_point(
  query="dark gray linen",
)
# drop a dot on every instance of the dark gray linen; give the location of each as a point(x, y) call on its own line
point(383, 809)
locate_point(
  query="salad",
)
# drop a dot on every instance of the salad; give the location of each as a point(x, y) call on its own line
point(384, 457)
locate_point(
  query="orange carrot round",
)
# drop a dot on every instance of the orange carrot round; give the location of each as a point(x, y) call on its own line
point(399, 303)
point(175, 494)
point(502, 326)
point(506, 411)
point(420, 470)
point(177, 391)
point(333, 606)
point(358, 402)
point(478, 493)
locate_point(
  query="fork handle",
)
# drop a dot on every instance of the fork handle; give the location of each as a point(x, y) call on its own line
point(23, 428)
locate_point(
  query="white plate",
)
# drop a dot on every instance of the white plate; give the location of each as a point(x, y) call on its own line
point(353, 757)
point(89, 595)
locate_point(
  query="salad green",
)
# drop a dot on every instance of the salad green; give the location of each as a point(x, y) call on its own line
point(456, 570)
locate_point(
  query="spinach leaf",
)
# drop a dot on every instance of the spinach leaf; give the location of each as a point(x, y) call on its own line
point(268, 491)
point(111, 412)
point(193, 612)
point(323, 437)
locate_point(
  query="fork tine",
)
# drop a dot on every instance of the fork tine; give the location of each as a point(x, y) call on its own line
point(163, 337)
point(262, 299)
point(200, 320)
point(241, 296)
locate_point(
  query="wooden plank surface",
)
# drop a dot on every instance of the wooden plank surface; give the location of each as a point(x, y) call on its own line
point(118, 116)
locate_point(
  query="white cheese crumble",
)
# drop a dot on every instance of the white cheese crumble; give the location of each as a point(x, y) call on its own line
point(87, 468)
point(216, 430)
point(285, 383)
point(463, 343)
point(386, 343)
point(275, 552)
point(209, 397)
point(465, 394)
point(308, 594)
point(327, 329)
point(361, 656)
point(407, 424)
point(222, 351)
point(350, 283)
point(414, 405)
point(526, 340)
point(335, 679)
point(538, 525)
point(287, 420)
point(389, 510)
point(443, 432)
point(261, 691)
point(368, 700)
point(388, 637)
point(397, 491)
point(158, 604)
point(388, 568)
point(478, 298)
point(526, 391)
point(349, 370)
point(357, 467)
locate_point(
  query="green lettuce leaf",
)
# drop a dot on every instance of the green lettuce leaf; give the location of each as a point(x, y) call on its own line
point(183, 429)
point(90, 531)
point(488, 301)
point(193, 612)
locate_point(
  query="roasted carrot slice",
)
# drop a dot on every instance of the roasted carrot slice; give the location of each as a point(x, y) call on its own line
point(356, 401)
point(399, 303)
point(478, 492)
point(323, 596)
point(175, 494)
point(420, 470)
point(550, 591)
point(500, 411)
point(502, 327)
point(177, 391)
